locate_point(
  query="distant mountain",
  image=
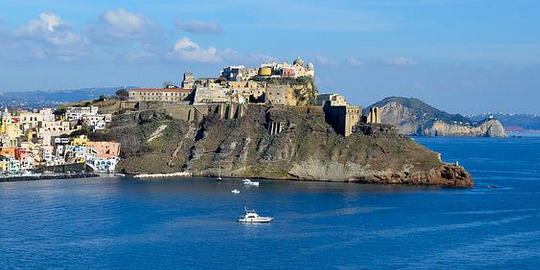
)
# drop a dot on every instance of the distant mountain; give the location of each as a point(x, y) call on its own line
point(414, 117)
point(512, 121)
point(51, 98)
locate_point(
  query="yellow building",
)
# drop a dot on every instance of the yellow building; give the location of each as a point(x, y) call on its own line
point(79, 141)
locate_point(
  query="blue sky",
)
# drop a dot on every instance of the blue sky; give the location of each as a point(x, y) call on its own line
point(466, 56)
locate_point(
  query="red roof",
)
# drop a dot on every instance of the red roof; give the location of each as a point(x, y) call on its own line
point(184, 90)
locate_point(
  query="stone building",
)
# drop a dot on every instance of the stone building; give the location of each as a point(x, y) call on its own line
point(280, 95)
point(334, 99)
point(188, 81)
point(373, 116)
point(159, 94)
point(342, 118)
point(302, 69)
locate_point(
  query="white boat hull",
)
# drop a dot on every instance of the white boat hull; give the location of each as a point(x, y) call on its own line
point(255, 220)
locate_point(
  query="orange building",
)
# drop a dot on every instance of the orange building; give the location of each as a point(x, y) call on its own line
point(7, 151)
point(104, 149)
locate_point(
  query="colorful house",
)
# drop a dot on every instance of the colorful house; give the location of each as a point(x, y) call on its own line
point(104, 149)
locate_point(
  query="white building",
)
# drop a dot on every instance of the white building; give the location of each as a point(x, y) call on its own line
point(78, 113)
point(97, 122)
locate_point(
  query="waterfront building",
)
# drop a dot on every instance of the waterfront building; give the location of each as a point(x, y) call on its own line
point(9, 164)
point(102, 156)
point(104, 149)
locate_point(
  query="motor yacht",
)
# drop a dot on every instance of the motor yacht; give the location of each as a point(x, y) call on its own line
point(248, 182)
point(251, 216)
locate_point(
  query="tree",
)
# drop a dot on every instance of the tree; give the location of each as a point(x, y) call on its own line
point(122, 94)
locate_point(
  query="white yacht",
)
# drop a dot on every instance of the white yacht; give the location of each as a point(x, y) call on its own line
point(235, 191)
point(248, 182)
point(252, 217)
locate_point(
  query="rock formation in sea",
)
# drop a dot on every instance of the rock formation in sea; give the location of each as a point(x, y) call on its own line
point(413, 117)
point(304, 147)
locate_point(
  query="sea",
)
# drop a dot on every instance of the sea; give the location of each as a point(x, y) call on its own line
point(124, 223)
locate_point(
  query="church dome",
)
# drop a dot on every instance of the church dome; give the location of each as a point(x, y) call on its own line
point(298, 61)
point(310, 66)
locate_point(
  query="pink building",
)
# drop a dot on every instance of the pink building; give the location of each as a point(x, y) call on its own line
point(288, 72)
point(104, 149)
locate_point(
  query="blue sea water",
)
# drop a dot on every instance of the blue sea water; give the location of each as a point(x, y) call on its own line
point(123, 223)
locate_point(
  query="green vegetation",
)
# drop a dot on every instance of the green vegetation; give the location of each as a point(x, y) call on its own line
point(423, 108)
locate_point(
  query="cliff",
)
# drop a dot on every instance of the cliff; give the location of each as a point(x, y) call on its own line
point(413, 117)
point(305, 147)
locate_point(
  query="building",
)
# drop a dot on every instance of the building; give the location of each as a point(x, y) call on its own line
point(288, 72)
point(78, 113)
point(171, 94)
point(280, 95)
point(104, 149)
point(374, 116)
point(188, 81)
point(302, 69)
point(8, 164)
point(102, 156)
point(234, 73)
point(342, 118)
point(219, 95)
point(97, 122)
point(334, 99)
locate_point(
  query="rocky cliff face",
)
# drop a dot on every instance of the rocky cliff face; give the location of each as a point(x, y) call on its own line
point(487, 128)
point(307, 148)
point(413, 117)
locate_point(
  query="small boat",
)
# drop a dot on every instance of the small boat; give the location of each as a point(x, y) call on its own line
point(235, 190)
point(251, 216)
point(247, 182)
point(492, 186)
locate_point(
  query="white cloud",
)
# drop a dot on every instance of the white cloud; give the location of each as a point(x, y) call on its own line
point(46, 38)
point(232, 55)
point(353, 61)
point(189, 51)
point(49, 28)
point(400, 61)
point(324, 60)
point(199, 27)
point(120, 26)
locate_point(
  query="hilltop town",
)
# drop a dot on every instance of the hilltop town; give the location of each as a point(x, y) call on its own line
point(53, 137)
point(267, 122)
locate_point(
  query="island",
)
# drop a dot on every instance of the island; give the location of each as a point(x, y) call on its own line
point(267, 122)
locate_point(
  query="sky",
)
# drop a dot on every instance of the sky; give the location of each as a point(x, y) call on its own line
point(462, 56)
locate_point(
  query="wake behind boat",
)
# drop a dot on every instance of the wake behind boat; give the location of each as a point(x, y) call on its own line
point(247, 182)
point(251, 216)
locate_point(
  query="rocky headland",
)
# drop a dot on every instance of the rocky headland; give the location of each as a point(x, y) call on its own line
point(413, 117)
point(304, 147)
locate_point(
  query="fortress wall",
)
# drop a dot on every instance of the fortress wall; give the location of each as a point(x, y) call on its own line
point(196, 113)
